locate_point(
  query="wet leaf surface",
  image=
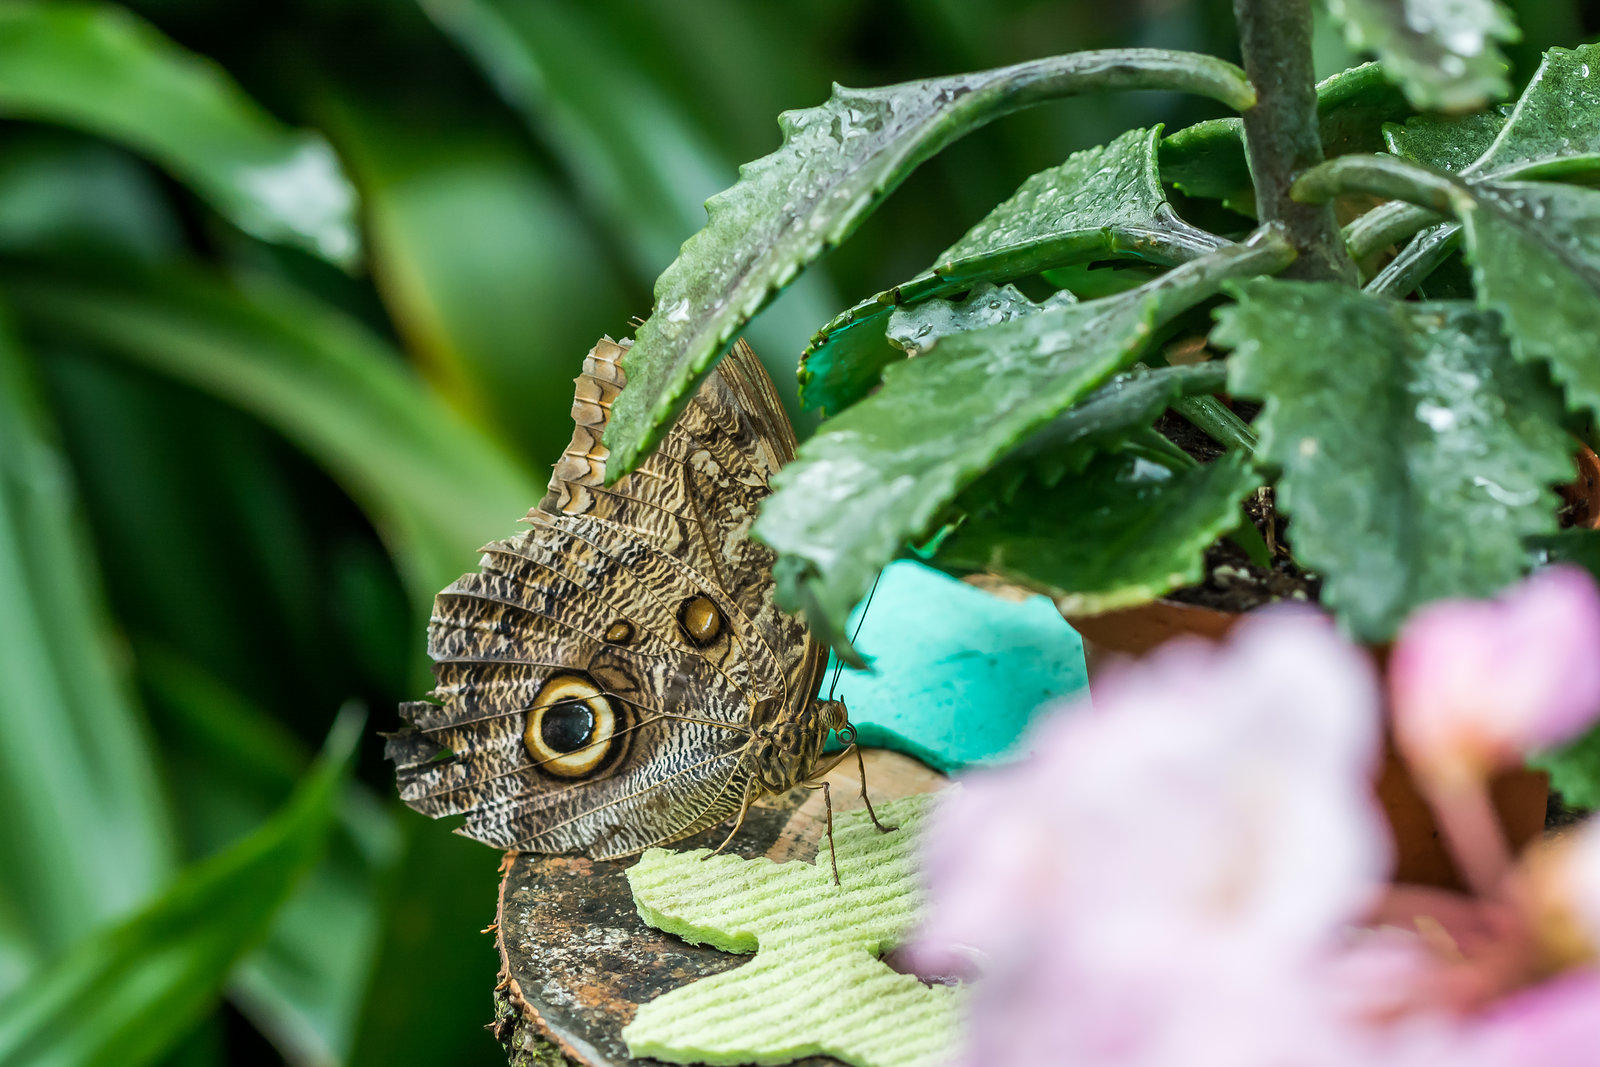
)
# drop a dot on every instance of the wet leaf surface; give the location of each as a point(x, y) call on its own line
point(1102, 201)
point(837, 163)
point(1422, 428)
point(1444, 53)
point(879, 474)
point(1123, 532)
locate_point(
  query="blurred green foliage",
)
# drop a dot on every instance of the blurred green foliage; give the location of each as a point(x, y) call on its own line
point(291, 295)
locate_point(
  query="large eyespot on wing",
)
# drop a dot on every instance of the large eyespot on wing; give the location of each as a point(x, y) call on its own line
point(574, 729)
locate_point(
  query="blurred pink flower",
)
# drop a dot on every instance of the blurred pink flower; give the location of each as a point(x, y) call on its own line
point(1553, 1024)
point(1477, 685)
point(1164, 881)
point(1192, 872)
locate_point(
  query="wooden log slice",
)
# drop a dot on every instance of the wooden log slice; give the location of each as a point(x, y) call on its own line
point(576, 961)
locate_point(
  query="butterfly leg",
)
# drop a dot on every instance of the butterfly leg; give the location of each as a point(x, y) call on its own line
point(861, 765)
point(744, 809)
point(827, 803)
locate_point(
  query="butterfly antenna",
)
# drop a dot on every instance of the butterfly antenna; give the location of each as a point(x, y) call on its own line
point(838, 668)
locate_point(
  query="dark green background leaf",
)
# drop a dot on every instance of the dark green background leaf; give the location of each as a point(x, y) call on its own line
point(128, 994)
point(77, 771)
point(98, 68)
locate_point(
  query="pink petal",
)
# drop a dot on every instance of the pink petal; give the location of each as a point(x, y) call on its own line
point(1476, 685)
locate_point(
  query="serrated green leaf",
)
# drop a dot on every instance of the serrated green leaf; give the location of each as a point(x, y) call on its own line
point(1556, 118)
point(87, 835)
point(98, 68)
point(1124, 531)
point(127, 994)
point(1416, 453)
point(917, 328)
point(878, 475)
point(1535, 256)
point(1207, 159)
point(836, 164)
point(1444, 53)
point(434, 486)
point(1557, 115)
point(1102, 201)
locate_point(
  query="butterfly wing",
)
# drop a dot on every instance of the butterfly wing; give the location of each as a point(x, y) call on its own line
point(599, 675)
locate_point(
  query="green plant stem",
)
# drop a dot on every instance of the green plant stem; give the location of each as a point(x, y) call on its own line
point(1383, 176)
point(1384, 226)
point(1156, 446)
point(1218, 421)
point(1266, 251)
point(1415, 262)
point(1281, 133)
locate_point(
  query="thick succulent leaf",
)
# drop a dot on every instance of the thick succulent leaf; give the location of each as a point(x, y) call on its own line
point(917, 328)
point(836, 164)
point(1444, 53)
point(88, 836)
point(1535, 255)
point(879, 474)
point(1106, 416)
point(1207, 159)
point(1101, 202)
point(128, 994)
point(1415, 461)
point(1124, 531)
point(97, 68)
point(435, 486)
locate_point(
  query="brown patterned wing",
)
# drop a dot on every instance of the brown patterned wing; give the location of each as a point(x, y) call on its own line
point(598, 677)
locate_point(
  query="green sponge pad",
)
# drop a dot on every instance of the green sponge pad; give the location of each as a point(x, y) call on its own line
point(957, 674)
point(816, 985)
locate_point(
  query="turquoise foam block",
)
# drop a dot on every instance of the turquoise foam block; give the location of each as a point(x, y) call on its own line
point(957, 674)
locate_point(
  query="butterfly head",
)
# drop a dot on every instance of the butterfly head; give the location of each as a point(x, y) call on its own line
point(783, 752)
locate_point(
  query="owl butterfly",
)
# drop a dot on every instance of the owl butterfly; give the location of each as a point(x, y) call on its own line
point(617, 676)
